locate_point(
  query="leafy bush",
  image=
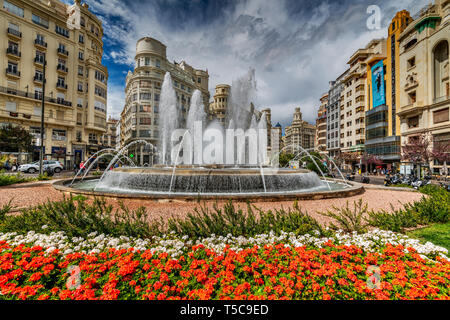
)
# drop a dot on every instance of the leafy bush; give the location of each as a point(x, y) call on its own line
point(347, 219)
point(230, 220)
point(396, 221)
point(8, 179)
point(78, 218)
point(435, 208)
point(43, 177)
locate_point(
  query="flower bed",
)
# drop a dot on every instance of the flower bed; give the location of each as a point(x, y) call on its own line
point(36, 266)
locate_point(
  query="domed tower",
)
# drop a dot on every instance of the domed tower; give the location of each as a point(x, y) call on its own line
point(149, 52)
point(218, 107)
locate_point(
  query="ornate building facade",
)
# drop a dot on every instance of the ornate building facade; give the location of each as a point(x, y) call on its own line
point(76, 80)
point(424, 95)
point(299, 134)
point(140, 116)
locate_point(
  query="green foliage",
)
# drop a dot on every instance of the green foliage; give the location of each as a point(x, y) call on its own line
point(234, 221)
point(78, 218)
point(438, 234)
point(8, 179)
point(43, 177)
point(348, 220)
point(284, 159)
point(396, 221)
point(5, 209)
point(15, 138)
point(435, 208)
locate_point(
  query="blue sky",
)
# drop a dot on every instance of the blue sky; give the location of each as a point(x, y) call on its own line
point(295, 46)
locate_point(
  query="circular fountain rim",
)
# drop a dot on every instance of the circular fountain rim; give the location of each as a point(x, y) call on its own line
point(352, 190)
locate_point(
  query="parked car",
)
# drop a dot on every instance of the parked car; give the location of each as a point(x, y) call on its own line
point(34, 167)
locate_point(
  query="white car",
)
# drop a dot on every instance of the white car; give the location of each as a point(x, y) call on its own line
point(34, 167)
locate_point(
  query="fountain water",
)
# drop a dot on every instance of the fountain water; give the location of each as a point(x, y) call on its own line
point(169, 116)
point(205, 174)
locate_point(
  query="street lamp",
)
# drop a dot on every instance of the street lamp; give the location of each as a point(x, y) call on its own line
point(41, 153)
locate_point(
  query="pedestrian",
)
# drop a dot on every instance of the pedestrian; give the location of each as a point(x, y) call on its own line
point(82, 166)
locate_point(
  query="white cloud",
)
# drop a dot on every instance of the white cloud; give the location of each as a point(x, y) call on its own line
point(295, 54)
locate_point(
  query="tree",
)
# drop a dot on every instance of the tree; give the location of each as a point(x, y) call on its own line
point(441, 151)
point(418, 150)
point(368, 159)
point(15, 139)
point(284, 159)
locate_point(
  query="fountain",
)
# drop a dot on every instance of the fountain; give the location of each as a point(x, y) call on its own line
point(201, 158)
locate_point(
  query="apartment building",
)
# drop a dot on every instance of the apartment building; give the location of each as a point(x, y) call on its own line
point(32, 32)
point(109, 138)
point(139, 118)
point(354, 102)
point(383, 87)
point(299, 134)
point(333, 113)
point(424, 95)
point(321, 124)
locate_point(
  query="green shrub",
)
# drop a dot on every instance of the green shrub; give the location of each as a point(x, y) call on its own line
point(8, 179)
point(230, 220)
point(43, 177)
point(347, 219)
point(78, 218)
point(396, 221)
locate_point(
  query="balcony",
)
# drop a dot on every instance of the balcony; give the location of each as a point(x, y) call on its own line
point(63, 52)
point(62, 68)
point(39, 61)
point(38, 79)
point(41, 44)
point(14, 34)
point(13, 53)
point(80, 105)
point(61, 85)
point(12, 73)
point(63, 102)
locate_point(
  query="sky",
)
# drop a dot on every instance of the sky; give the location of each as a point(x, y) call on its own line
point(295, 46)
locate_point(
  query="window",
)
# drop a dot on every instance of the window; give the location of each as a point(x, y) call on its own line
point(11, 106)
point(156, 97)
point(145, 96)
point(413, 122)
point(12, 67)
point(440, 69)
point(39, 20)
point(38, 93)
point(8, 6)
point(145, 108)
point(81, 38)
point(158, 63)
point(39, 57)
point(147, 61)
point(145, 121)
point(441, 115)
point(100, 76)
point(38, 76)
point(81, 55)
point(80, 70)
point(62, 31)
point(100, 92)
point(411, 62)
point(145, 133)
point(199, 80)
point(58, 134)
point(80, 86)
point(100, 106)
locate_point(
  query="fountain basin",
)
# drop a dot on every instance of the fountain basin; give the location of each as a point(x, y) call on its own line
point(210, 182)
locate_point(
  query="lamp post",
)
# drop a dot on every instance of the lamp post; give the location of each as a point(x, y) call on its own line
point(41, 153)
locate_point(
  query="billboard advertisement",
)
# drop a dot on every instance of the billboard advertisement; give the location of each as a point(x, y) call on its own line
point(378, 90)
